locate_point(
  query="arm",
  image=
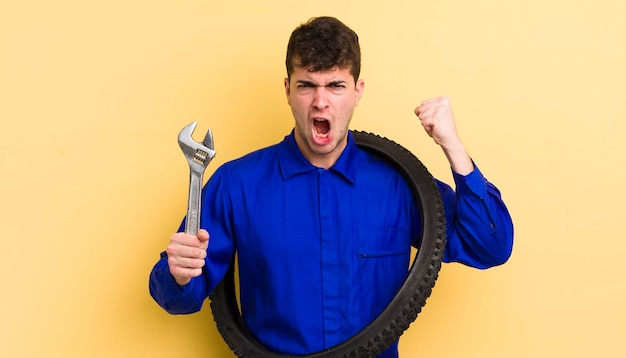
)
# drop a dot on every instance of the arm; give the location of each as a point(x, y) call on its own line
point(479, 227)
point(192, 265)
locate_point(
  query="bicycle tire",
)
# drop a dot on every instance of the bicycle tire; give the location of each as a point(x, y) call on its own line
point(404, 307)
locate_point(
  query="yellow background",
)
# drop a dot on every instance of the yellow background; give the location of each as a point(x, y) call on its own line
point(94, 93)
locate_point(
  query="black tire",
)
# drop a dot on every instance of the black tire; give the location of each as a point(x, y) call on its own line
point(408, 302)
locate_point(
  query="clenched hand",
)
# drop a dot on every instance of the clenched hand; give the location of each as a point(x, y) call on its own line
point(437, 119)
point(186, 254)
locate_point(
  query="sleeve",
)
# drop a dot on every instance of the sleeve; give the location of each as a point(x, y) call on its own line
point(214, 217)
point(478, 224)
point(170, 296)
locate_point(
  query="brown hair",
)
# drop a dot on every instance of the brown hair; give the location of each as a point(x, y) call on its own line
point(321, 44)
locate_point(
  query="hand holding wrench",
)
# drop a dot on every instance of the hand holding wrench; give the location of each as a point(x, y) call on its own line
point(198, 155)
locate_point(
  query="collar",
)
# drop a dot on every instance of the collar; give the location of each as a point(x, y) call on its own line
point(292, 162)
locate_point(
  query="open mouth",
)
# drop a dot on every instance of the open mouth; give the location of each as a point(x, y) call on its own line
point(322, 127)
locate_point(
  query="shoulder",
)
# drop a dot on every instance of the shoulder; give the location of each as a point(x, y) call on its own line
point(250, 163)
point(376, 165)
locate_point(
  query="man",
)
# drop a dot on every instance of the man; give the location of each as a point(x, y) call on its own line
point(322, 229)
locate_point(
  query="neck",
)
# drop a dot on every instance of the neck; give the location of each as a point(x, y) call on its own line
point(321, 160)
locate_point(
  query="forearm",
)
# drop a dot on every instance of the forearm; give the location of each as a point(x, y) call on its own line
point(458, 158)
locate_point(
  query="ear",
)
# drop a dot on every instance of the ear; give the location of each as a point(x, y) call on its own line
point(287, 89)
point(358, 89)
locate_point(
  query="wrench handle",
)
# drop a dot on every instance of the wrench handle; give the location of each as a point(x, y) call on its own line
point(192, 222)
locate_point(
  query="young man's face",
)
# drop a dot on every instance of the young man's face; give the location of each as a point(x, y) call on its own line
point(322, 104)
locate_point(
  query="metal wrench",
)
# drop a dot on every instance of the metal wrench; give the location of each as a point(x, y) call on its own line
point(198, 155)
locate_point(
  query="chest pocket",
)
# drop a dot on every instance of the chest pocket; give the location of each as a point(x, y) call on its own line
point(383, 260)
point(378, 243)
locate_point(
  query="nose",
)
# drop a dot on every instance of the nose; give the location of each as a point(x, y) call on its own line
point(320, 98)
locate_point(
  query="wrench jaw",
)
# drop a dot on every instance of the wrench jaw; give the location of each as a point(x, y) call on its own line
point(208, 140)
point(198, 155)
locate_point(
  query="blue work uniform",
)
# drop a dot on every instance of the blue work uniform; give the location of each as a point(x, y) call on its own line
point(323, 251)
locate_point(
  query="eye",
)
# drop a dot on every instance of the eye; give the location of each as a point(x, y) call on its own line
point(337, 87)
point(305, 84)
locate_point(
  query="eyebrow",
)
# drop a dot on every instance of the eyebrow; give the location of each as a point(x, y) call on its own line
point(329, 84)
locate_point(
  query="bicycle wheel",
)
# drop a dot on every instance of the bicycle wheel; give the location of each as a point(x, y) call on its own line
point(404, 307)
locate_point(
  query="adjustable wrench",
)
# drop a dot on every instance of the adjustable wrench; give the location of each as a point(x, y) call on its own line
point(198, 155)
